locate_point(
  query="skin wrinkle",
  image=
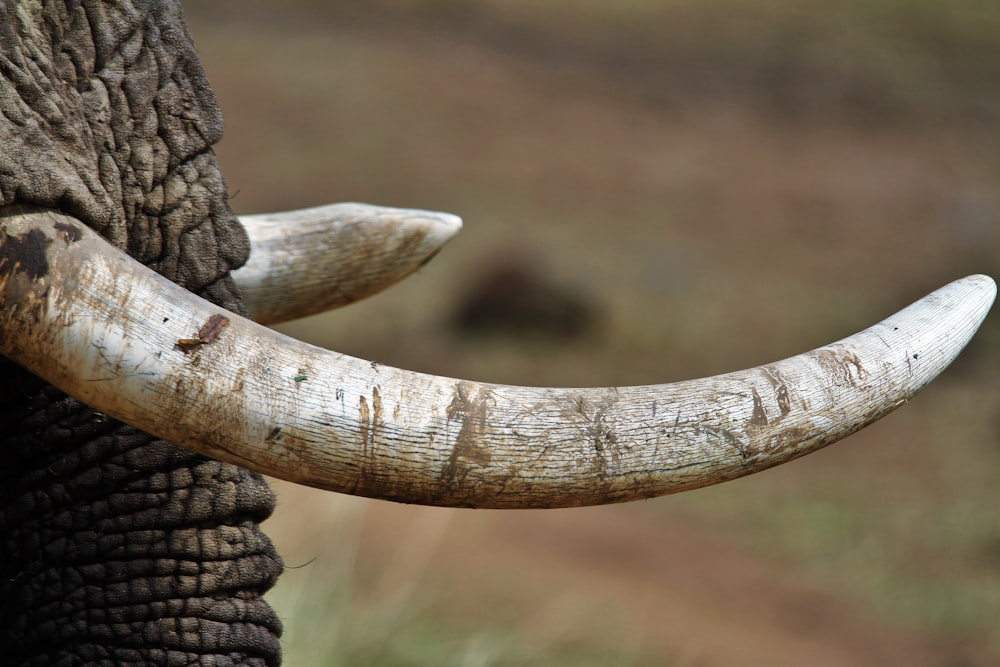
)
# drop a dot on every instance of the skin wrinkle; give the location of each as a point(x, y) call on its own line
point(104, 531)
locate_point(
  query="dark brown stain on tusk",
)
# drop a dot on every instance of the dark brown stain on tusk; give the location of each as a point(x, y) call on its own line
point(470, 409)
point(780, 389)
point(365, 423)
point(211, 329)
point(842, 366)
point(759, 417)
point(25, 255)
point(369, 422)
point(71, 233)
point(206, 334)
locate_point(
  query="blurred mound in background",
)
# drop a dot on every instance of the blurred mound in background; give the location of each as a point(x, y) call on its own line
point(508, 295)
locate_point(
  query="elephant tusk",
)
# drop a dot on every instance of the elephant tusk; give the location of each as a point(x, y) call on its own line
point(316, 259)
point(133, 345)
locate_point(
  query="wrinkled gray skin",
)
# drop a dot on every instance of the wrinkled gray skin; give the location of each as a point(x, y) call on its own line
point(118, 547)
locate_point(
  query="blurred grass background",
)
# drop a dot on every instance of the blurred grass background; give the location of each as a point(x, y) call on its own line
point(721, 183)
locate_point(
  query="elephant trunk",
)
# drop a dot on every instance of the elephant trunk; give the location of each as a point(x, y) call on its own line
point(116, 547)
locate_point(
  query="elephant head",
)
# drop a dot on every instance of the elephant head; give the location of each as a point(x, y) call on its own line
point(122, 296)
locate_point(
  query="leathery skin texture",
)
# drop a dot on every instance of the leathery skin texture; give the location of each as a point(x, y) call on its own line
point(119, 547)
point(115, 547)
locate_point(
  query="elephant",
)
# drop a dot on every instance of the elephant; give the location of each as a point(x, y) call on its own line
point(141, 401)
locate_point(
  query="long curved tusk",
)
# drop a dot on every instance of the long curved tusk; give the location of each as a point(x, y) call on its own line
point(316, 259)
point(129, 343)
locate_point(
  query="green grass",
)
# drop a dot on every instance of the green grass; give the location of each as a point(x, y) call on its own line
point(351, 604)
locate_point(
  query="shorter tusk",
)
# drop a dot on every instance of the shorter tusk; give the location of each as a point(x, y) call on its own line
point(129, 343)
point(316, 259)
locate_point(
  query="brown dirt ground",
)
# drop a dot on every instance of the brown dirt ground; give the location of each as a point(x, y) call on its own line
point(681, 592)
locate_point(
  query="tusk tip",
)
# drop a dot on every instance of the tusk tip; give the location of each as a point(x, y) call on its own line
point(985, 284)
point(974, 294)
point(439, 227)
point(309, 260)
